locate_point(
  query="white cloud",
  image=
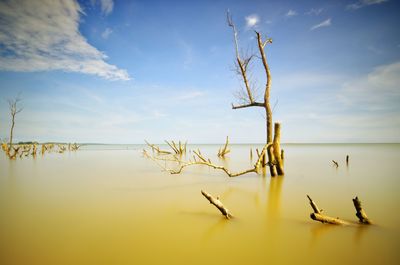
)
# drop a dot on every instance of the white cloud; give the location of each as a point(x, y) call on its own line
point(106, 6)
point(362, 3)
point(252, 20)
point(106, 33)
point(325, 23)
point(49, 39)
point(314, 11)
point(291, 13)
point(377, 90)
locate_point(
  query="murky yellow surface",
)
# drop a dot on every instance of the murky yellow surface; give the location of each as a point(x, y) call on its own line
point(100, 206)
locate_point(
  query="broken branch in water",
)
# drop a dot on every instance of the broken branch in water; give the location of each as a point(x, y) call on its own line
point(179, 148)
point(157, 149)
point(335, 163)
point(362, 216)
point(318, 216)
point(224, 150)
point(217, 203)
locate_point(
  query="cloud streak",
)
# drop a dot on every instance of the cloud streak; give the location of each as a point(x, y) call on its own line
point(106, 6)
point(363, 3)
point(49, 39)
point(325, 23)
point(106, 33)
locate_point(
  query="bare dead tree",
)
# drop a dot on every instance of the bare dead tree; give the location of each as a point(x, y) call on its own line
point(242, 69)
point(14, 110)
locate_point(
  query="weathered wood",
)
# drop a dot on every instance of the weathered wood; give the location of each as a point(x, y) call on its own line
point(360, 213)
point(199, 159)
point(224, 150)
point(314, 205)
point(327, 219)
point(217, 203)
point(272, 168)
point(277, 149)
point(318, 216)
point(274, 162)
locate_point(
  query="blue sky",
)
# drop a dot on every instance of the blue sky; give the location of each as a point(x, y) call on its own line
point(123, 71)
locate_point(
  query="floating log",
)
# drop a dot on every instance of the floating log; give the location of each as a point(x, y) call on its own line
point(362, 216)
point(217, 203)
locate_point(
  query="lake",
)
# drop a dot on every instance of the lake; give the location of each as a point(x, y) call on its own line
point(106, 204)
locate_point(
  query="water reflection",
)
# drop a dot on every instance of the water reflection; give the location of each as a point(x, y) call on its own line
point(318, 230)
point(360, 232)
point(274, 198)
point(216, 228)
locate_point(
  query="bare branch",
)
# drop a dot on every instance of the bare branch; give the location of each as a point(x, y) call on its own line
point(225, 150)
point(201, 160)
point(254, 104)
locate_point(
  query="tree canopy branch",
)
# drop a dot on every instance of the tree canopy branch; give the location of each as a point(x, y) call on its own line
point(253, 104)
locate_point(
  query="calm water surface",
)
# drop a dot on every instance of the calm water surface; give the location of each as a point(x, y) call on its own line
point(108, 205)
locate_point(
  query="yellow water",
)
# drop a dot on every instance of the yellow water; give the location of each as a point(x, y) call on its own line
point(112, 206)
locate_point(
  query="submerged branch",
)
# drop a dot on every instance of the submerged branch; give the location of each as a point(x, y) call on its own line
point(199, 159)
point(318, 216)
point(217, 203)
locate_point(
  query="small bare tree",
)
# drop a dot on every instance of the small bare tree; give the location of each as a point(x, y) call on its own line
point(274, 153)
point(14, 110)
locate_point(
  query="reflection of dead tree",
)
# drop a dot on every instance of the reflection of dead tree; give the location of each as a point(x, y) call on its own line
point(224, 150)
point(317, 215)
point(274, 156)
point(217, 203)
point(14, 110)
point(199, 159)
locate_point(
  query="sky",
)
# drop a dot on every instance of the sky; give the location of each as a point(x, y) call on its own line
point(105, 71)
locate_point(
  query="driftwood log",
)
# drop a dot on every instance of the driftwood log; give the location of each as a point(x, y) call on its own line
point(217, 203)
point(318, 216)
point(362, 216)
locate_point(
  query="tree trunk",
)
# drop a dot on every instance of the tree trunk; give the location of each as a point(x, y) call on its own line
point(11, 130)
point(277, 149)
